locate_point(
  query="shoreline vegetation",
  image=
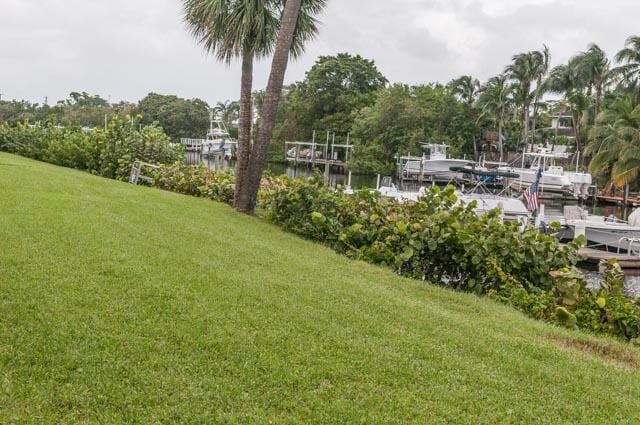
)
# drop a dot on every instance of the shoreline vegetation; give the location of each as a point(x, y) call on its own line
point(435, 239)
point(109, 317)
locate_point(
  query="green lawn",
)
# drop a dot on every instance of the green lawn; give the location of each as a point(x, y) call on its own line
point(127, 304)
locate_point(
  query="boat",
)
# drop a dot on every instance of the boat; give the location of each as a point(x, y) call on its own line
point(512, 208)
point(554, 178)
point(388, 189)
point(218, 140)
point(435, 166)
point(608, 233)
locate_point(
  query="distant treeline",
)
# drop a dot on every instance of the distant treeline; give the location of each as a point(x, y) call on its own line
point(595, 102)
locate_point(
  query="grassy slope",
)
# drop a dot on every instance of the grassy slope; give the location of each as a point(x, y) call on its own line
point(122, 303)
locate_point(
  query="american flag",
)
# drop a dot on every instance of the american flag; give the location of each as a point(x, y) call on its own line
point(531, 194)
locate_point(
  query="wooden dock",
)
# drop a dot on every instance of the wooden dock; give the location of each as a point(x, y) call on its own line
point(319, 154)
point(619, 200)
point(594, 256)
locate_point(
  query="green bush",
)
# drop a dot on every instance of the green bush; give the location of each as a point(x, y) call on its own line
point(196, 181)
point(571, 303)
point(436, 239)
point(107, 152)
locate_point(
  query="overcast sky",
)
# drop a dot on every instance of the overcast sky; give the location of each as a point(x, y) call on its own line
point(124, 49)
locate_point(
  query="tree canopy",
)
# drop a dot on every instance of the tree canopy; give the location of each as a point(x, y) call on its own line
point(178, 117)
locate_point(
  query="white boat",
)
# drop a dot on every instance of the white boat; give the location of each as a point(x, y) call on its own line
point(218, 140)
point(436, 166)
point(388, 189)
point(605, 232)
point(554, 178)
point(512, 208)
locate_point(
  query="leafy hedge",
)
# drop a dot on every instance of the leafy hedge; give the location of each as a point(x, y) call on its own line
point(436, 239)
point(196, 181)
point(106, 152)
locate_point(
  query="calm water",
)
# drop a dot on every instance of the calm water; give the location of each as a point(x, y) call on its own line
point(552, 207)
point(357, 181)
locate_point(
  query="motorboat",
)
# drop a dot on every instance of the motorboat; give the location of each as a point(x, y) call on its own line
point(388, 189)
point(511, 208)
point(434, 167)
point(554, 178)
point(218, 140)
point(608, 233)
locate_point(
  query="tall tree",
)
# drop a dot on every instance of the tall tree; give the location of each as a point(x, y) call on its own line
point(595, 68)
point(526, 70)
point(571, 81)
point(333, 90)
point(496, 100)
point(543, 59)
point(247, 29)
point(230, 29)
point(178, 117)
point(629, 60)
point(228, 111)
point(615, 142)
point(466, 88)
point(297, 25)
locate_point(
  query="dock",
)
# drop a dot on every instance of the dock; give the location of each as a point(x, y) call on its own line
point(593, 257)
point(619, 200)
point(319, 154)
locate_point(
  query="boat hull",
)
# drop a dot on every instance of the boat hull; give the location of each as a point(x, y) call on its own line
point(556, 183)
point(610, 236)
point(434, 169)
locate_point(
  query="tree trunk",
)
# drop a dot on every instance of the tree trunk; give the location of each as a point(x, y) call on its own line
point(244, 130)
point(576, 125)
point(270, 105)
point(500, 138)
point(525, 122)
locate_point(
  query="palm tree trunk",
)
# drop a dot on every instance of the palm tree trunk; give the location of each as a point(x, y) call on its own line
point(270, 105)
point(500, 138)
point(244, 129)
point(576, 125)
point(525, 124)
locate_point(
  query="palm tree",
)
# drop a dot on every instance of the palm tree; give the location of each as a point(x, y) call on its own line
point(297, 25)
point(229, 30)
point(496, 100)
point(228, 111)
point(595, 68)
point(525, 70)
point(615, 142)
point(629, 58)
point(246, 29)
point(543, 59)
point(466, 88)
point(572, 81)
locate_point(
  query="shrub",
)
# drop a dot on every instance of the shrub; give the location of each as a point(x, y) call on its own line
point(196, 181)
point(107, 152)
point(436, 238)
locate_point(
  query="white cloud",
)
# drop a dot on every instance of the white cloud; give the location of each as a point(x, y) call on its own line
point(126, 48)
